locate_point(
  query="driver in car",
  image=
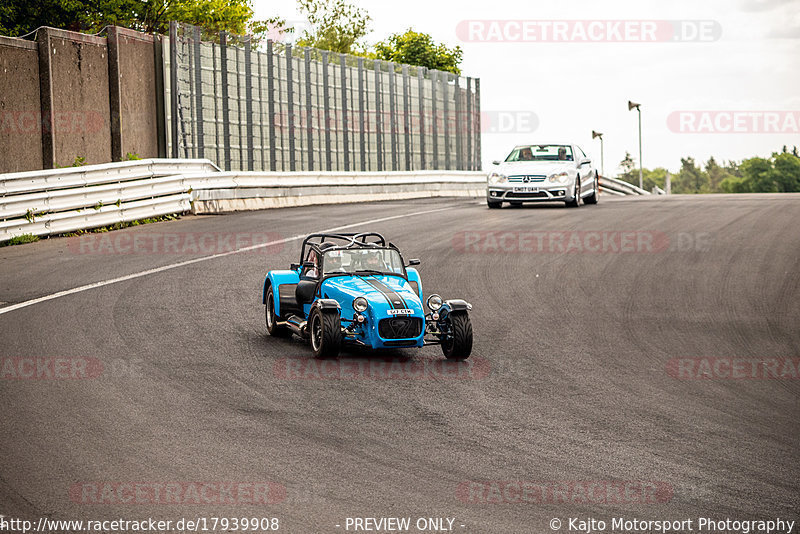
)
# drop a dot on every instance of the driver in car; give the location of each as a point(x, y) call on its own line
point(312, 271)
point(374, 262)
point(333, 262)
point(526, 154)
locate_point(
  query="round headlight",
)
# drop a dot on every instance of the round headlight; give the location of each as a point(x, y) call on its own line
point(497, 178)
point(435, 302)
point(360, 304)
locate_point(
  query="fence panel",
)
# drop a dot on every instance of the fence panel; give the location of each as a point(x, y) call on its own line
point(268, 106)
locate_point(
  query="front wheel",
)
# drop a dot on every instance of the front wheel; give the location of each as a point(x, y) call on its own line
point(575, 202)
point(493, 205)
point(326, 333)
point(273, 327)
point(592, 199)
point(457, 345)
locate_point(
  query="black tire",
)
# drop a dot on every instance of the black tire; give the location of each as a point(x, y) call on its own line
point(458, 345)
point(516, 204)
point(494, 205)
point(576, 202)
point(594, 197)
point(273, 328)
point(325, 331)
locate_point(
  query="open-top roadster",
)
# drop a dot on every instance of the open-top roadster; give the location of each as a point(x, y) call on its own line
point(356, 289)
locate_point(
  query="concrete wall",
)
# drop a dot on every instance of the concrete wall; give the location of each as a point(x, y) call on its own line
point(20, 111)
point(69, 95)
point(79, 70)
point(137, 79)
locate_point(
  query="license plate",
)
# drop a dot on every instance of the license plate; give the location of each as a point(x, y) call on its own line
point(401, 312)
point(524, 189)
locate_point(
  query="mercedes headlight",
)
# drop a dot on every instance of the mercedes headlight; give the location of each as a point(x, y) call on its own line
point(435, 302)
point(497, 178)
point(360, 304)
point(561, 177)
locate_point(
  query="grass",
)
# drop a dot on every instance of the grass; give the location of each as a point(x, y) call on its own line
point(20, 240)
point(121, 225)
point(30, 238)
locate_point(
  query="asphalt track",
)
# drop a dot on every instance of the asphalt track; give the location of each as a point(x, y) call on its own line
point(572, 378)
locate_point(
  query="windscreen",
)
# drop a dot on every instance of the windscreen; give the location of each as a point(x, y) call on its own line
point(541, 153)
point(363, 261)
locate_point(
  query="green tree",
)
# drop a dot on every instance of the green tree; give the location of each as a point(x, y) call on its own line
point(652, 178)
point(735, 184)
point(716, 173)
point(335, 25)
point(780, 173)
point(18, 17)
point(628, 166)
point(759, 176)
point(690, 179)
point(786, 172)
point(416, 48)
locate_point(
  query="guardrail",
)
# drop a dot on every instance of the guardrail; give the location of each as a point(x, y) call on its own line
point(613, 186)
point(72, 177)
point(65, 200)
point(77, 198)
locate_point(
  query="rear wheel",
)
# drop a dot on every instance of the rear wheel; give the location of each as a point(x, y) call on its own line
point(592, 199)
point(494, 204)
point(326, 333)
point(273, 327)
point(458, 343)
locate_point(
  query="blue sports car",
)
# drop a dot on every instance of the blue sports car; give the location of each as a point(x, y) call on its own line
point(356, 289)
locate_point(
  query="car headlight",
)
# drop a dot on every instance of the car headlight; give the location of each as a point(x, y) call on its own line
point(497, 178)
point(360, 304)
point(435, 302)
point(561, 177)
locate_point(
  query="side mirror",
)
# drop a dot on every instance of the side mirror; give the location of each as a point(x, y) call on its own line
point(412, 262)
point(294, 266)
point(496, 162)
point(584, 161)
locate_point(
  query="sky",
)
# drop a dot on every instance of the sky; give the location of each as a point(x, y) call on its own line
point(714, 77)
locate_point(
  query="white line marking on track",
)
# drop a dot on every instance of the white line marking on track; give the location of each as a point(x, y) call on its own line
point(95, 285)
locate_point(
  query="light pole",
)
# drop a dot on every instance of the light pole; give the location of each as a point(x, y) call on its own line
point(632, 105)
point(595, 135)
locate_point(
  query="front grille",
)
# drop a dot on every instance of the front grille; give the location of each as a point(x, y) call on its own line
point(519, 194)
point(400, 327)
point(526, 178)
point(410, 343)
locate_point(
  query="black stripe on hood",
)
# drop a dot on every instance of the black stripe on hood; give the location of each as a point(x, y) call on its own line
point(396, 301)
